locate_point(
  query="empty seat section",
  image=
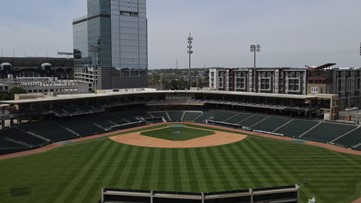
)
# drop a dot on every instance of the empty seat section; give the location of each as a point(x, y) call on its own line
point(159, 114)
point(296, 127)
point(70, 109)
point(350, 139)
point(223, 115)
point(81, 126)
point(271, 123)
point(125, 116)
point(5, 144)
point(175, 116)
point(49, 130)
point(326, 132)
point(190, 115)
point(250, 121)
point(21, 136)
point(238, 118)
point(206, 115)
point(138, 113)
point(114, 119)
point(100, 120)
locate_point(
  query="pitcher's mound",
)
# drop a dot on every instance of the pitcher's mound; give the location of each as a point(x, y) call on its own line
point(217, 139)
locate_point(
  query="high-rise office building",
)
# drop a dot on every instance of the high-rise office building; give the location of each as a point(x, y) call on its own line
point(111, 42)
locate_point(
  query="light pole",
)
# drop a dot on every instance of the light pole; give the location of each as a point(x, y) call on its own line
point(190, 52)
point(255, 49)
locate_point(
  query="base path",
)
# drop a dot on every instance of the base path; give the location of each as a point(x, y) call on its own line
point(218, 138)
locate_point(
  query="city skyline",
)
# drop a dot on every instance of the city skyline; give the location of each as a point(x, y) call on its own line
point(291, 34)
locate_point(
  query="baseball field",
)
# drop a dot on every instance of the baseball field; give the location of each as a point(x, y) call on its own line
point(76, 172)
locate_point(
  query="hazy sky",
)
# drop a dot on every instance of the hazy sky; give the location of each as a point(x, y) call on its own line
point(291, 33)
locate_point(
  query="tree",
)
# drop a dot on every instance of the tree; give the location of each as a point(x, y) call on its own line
point(17, 90)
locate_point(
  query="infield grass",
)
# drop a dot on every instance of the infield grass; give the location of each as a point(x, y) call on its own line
point(77, 172)
point(177, 133)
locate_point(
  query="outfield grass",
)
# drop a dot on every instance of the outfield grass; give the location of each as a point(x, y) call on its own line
point(177, 133)
point(77, 172)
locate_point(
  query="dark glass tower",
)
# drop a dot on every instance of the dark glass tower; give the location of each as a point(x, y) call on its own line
point(112, 38)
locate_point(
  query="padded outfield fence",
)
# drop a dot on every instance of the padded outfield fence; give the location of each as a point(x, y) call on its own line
point(289, 194)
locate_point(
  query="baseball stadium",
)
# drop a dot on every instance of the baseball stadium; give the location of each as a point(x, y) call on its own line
point(143, 145)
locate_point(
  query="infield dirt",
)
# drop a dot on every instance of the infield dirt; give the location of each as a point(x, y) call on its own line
point(217, 139)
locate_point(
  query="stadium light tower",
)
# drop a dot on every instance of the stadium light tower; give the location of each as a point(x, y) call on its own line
point(190, 52)
point(255, 49)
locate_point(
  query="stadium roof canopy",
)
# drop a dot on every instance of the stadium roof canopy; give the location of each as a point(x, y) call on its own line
point(35, 98)
point(326, 65)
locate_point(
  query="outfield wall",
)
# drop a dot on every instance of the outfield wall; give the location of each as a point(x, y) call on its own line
point(289, 194)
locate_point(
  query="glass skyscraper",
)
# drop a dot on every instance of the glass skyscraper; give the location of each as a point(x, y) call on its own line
point(112, 39)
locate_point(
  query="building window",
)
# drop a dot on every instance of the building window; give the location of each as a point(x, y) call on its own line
point(294, 85)
point(265, 84)
point(241, 83)
point(339, 85)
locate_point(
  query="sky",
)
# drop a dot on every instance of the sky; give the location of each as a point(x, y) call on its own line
point(291, 33)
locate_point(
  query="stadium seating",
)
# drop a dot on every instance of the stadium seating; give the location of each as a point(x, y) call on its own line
point(138, 113)
point(271, 123)
point(222, 115)
point(160, 114)
point(100, 120)
point(15, 134)
point(126, 116)
point(238, 118)
point(351, 139)
point(326, 132)
point(252, 120)
point(190, 115)
point(296, 127)
point(49, 130)
point(205, 115)
point(80, 126)
point(6, 144)
point(175, 116)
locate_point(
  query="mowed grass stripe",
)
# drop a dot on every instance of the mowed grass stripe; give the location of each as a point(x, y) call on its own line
point(162, 176)
point(81, 174)
point(289, 178)
point(141, 169)
point(124, 170)
point(96, 177)
point(169, 176)
point(105, 176)
point(131, 174)
point(234, 168)
point(177, 177)
point(195, 172)
point(266, 175)
point(209, 185)
point(184, 165)
point(215, 172)
point(148, 176)
point(223, 171)
point(244, 174)
point(81, 161)
point(250, 169)
point(156, 162)
point(116, 172)
point(80, 185)
point(270, 166)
